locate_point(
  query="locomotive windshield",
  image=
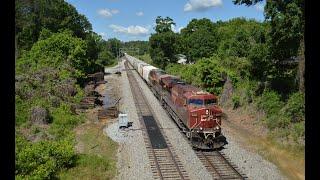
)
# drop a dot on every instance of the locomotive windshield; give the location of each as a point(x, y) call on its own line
point(196, 101)
point(210, 101)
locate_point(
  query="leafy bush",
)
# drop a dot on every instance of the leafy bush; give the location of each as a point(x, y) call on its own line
point(298, 130)
point(57, 49)
point(63, 121)
point(270, 103)
point(21, 110)
point(276, 121)
point(235, 101)
point(43, 159)
point(295, 107)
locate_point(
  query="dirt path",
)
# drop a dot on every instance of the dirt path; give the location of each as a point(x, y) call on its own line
point(254, 138)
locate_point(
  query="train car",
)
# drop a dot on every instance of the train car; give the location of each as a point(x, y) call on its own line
point(146, 72)
point(140, 67)
point(195, 111)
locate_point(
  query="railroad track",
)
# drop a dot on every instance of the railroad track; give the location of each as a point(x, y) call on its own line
point(219, 165)
point(165, 164)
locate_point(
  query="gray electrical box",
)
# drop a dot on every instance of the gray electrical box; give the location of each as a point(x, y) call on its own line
point(123, 120)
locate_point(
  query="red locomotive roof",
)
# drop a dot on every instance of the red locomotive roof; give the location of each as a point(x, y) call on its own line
point(189, 91)
point(169, 81)
point(155, 74)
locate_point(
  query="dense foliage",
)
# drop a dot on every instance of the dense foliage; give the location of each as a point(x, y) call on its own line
point(164, 43)
point(55, 51)
point(42, 159)
point(136, 47)
point(258, 58)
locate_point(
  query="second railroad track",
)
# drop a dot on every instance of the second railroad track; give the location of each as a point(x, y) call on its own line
point(165, 164)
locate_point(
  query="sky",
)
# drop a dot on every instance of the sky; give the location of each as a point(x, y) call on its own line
point(129, 20)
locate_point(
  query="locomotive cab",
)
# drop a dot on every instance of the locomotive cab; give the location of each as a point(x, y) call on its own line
point(205, 119)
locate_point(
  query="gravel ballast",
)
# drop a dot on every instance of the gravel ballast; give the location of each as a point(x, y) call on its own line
point(252, 164)
point(133, 162)
point(182, 149)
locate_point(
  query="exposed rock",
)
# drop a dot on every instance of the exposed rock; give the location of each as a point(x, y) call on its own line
point(22, 90)
point(55, 101)
point(20, 78)
point(39, 115)
point(227, 91)
point(89, 89)
point(96, 77)
point(66, 88)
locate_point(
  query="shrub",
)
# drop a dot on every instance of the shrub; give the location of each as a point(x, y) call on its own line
point(63, 121)
point(235, 101)
point(43, 159)
point(276, 121)
point(270, 103)
point(298, 131)
point(21, 110)
point(295, 107)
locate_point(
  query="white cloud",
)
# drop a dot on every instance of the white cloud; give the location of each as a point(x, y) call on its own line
point(176, 30)
point(103, 35)
point(131, 30)
point(259, 7)
point(107, 13)
point(114, 11)
point(179, 29)
point(200, 5)
point(139, 13)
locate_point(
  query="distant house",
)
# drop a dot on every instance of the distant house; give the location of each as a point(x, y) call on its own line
point(182, 59)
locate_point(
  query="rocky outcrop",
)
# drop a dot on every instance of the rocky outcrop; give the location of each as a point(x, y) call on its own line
point(227, 91)
point(39, 116)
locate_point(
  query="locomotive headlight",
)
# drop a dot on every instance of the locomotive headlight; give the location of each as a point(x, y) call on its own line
point(207, 111)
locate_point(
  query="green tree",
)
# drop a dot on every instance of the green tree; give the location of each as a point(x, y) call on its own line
point(287, 19)
point(164, 43)
point(164, 24)
point(113, 45)
point(200, 39)
point(33, 15)
point(163, 48)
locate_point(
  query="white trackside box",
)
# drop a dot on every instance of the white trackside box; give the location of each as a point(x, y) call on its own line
point(123, 120)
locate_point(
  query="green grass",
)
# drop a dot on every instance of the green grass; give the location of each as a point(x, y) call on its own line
point(98, 155)
point(114, 63)
point(90, 166)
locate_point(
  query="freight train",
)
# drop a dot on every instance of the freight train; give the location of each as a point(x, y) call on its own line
point(194, 111)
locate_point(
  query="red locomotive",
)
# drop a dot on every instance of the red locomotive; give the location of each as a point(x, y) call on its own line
point(194, 111)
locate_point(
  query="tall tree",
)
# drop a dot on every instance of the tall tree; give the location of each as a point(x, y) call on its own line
point(164, 24)
point(55, 15)
point(114, 45)
point(287, 19)
point(163, 44)
point(200, 39)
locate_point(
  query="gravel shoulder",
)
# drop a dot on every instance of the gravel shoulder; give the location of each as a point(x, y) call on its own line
point(133, 162)
point(248, 161)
